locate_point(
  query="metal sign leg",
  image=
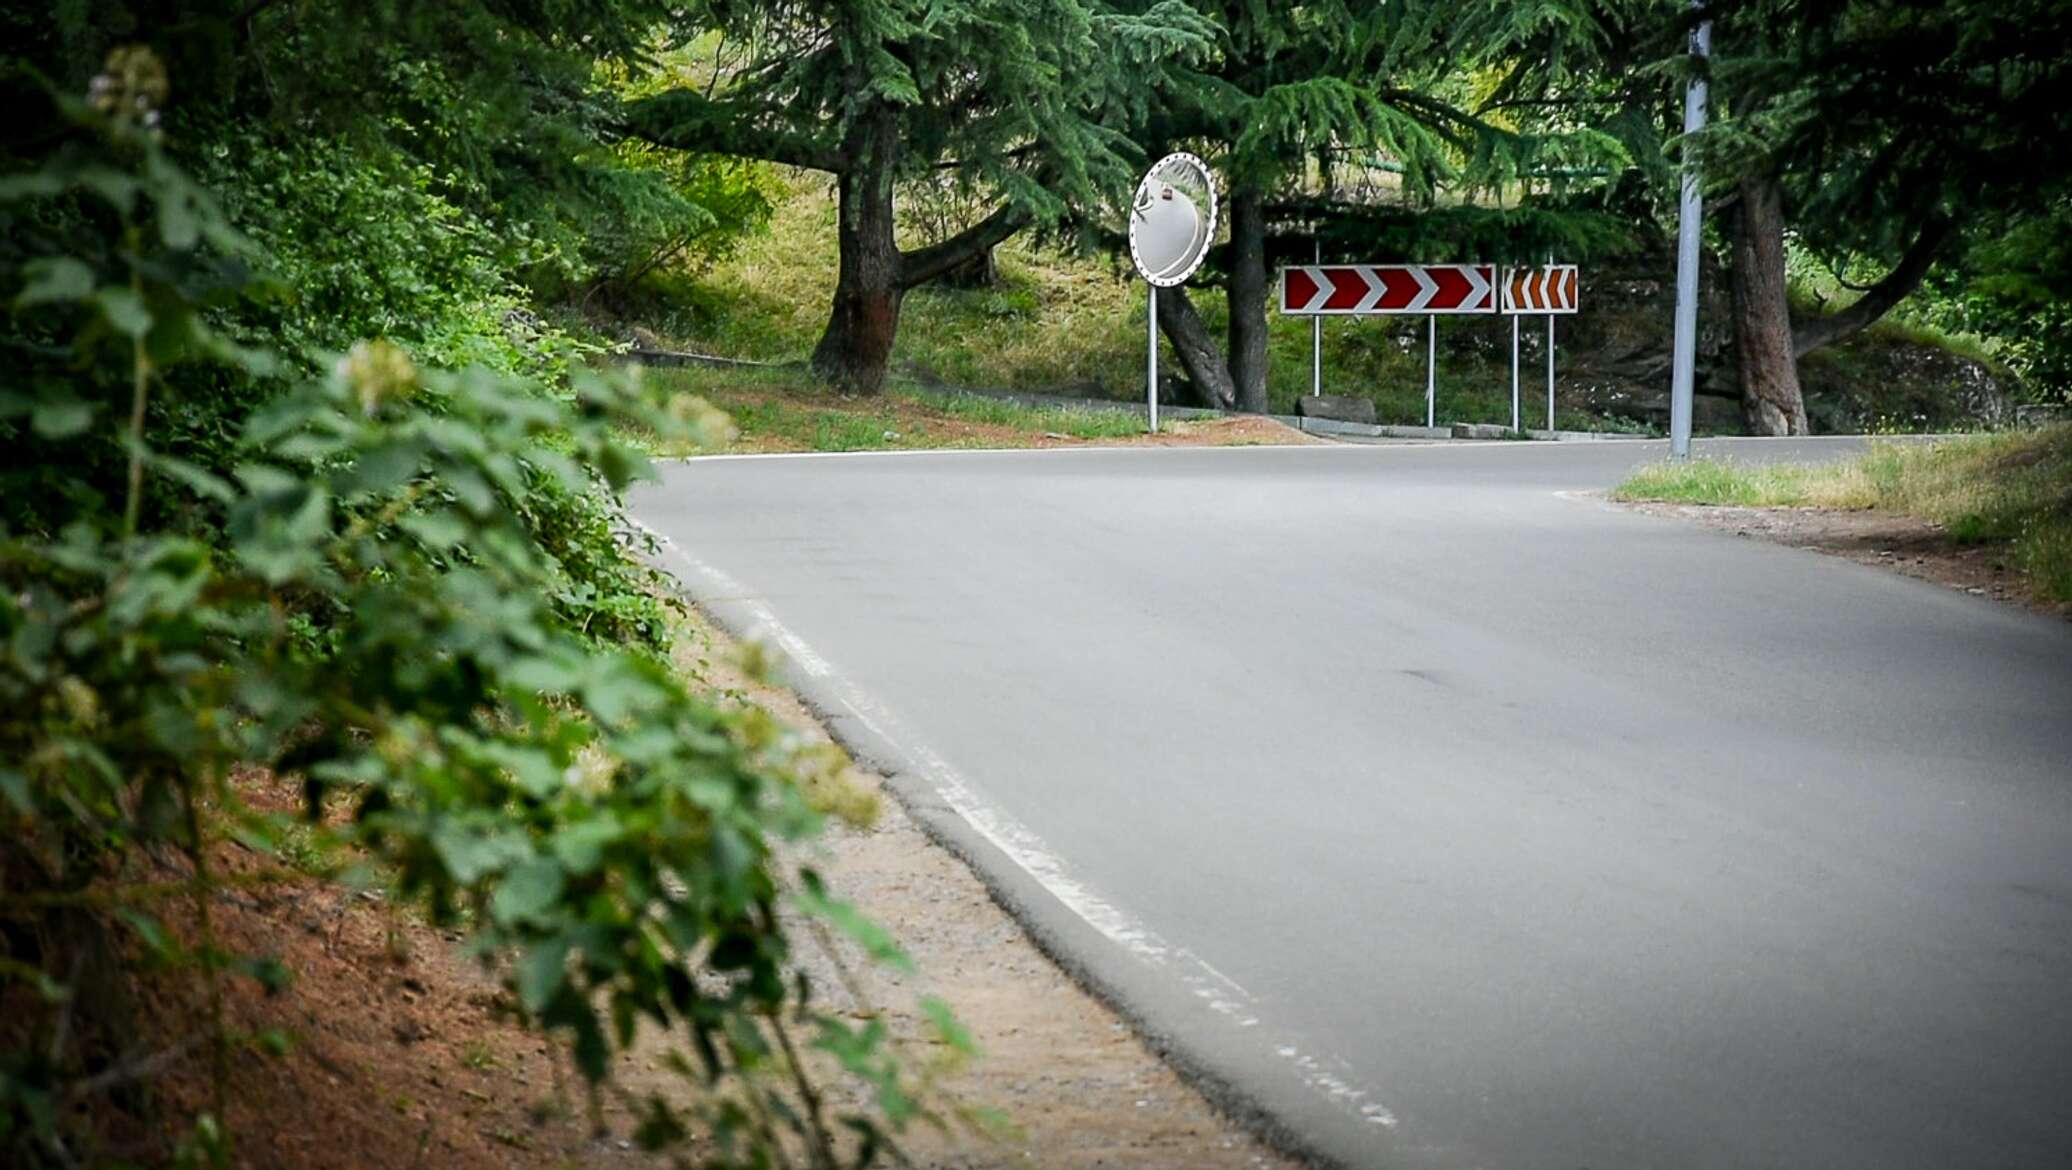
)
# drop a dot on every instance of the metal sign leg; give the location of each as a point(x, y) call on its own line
point(1431, 370)
point(1316, 356)
point(1316, 337)
point(1550, 371)
point(1514, 372)
point(1151, 353)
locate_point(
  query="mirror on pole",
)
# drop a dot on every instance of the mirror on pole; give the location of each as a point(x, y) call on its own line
point(1172, 220)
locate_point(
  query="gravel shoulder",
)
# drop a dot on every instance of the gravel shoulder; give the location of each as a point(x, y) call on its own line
point(1066, 1083)
point(1906, 545)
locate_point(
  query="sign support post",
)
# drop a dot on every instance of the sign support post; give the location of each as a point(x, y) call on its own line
point(1316, 356)
point(1316, 342)
point(1431, 369)
point(1549, 290)
point(1514, 372)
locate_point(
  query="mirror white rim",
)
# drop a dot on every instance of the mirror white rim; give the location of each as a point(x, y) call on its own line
point(1181, 267)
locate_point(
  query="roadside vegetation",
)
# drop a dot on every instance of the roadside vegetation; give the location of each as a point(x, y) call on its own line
point(2013, 489)
point(785, 410)
point(281, 606)
point(314, 574)
point(1055, 320)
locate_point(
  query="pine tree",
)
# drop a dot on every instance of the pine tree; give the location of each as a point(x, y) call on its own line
point(1879, 130)
point(1328, 84)
point(1024, 100)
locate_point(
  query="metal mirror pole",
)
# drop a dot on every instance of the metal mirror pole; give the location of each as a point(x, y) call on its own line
point(1151, 352)
point(1685, 353)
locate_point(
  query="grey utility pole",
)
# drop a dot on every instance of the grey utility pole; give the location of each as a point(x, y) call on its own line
point(1684, 357)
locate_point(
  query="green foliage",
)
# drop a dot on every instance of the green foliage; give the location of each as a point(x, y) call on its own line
point(605, 836)
point(1026, 100)
point(2009, 488)
point(372, 248)
point(1520, 235)
point(1891, 123)
point(2013, 286)
point(1294, 83)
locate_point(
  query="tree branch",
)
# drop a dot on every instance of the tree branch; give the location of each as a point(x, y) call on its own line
point(1880, 297)
point(922, 265)
point(684, 119)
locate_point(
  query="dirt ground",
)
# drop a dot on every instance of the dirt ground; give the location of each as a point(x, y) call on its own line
point(911, 425)
point(1901, 544)
point(402, 1052)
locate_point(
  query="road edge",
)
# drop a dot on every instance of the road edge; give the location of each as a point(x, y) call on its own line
point(1285, 1117)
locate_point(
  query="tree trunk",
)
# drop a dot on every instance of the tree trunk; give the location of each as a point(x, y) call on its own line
point(1199, 354)
point(1248, 300)
point(857, 346)
point(1770, 397)
point(1878, 299)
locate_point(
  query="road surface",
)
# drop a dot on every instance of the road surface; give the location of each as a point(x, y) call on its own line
point(1441, 813)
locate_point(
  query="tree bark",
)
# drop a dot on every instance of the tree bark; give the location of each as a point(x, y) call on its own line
point(856, 347)
point(1878, 299)
point(1771, 400)
point(1247, 296)
point(1196, 348)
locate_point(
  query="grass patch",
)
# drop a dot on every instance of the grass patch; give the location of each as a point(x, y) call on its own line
point(1063, 322)
point(2011, 488)
point(786, 409)
point(1078, 422)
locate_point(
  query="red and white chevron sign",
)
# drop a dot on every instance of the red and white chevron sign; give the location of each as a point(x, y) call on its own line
point(1362, 290)
point(1540, 290)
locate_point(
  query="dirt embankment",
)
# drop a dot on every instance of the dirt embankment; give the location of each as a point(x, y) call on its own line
point(402, 1051)
point(1907, 545)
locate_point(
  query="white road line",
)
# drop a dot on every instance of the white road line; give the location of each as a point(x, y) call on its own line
point(1025, 849)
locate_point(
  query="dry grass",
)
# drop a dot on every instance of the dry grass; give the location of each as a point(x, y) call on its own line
point(782, 410)
point(1058, 322)
point(2014, 488)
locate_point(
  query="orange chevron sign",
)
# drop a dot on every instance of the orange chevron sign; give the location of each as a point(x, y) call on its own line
point(1540, 290)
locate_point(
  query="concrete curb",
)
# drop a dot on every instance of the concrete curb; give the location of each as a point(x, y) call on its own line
point(1585, 436)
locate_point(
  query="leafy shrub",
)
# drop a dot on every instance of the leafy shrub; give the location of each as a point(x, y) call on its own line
point(370, 247)
point(607, 838)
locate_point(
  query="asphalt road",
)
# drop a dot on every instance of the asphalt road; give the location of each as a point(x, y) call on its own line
point(1449, 816)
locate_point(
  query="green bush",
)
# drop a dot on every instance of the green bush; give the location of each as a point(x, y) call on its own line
point(370, 608)
point(370, 247)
